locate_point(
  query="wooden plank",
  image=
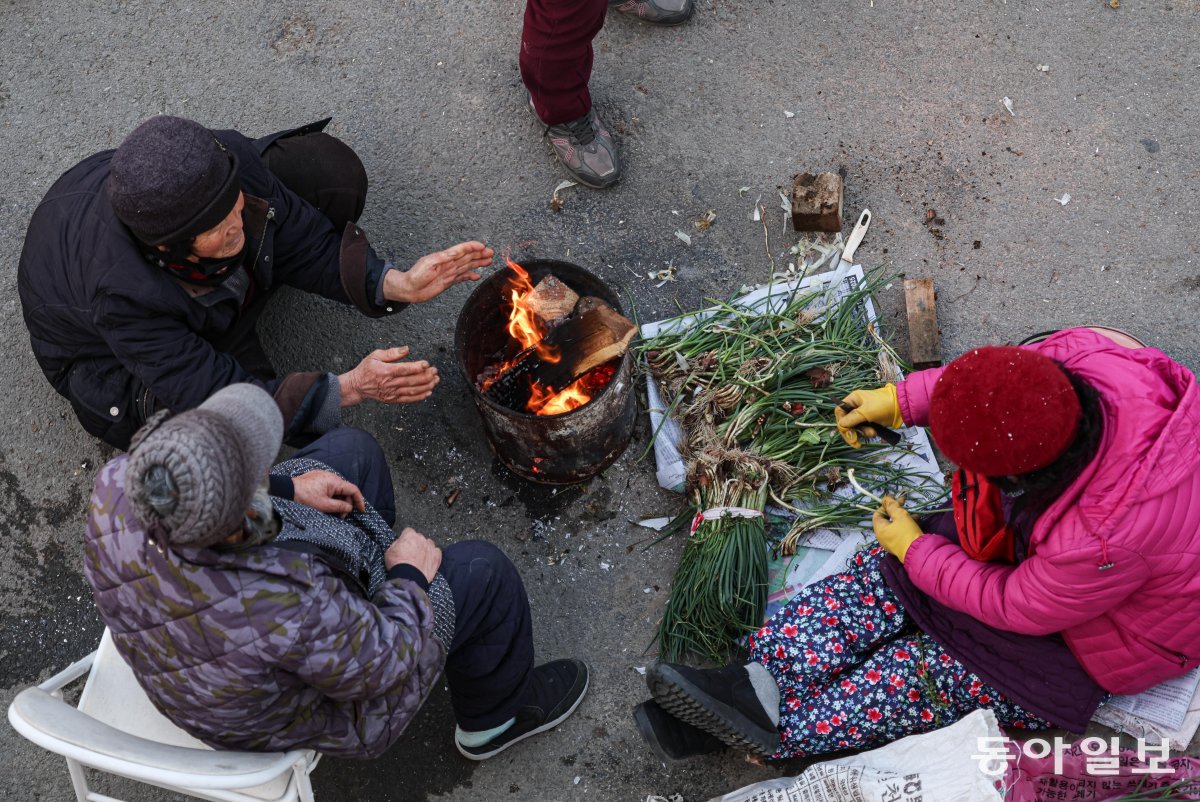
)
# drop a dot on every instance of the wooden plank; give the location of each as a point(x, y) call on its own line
point(924, 337)
point(817, 202)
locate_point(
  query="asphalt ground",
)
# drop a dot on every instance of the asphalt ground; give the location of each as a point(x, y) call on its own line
point(904, 98)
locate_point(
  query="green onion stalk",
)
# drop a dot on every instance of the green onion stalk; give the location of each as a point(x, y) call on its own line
point(754, 392)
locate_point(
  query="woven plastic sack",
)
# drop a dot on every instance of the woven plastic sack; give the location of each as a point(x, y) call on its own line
point(1094, 769)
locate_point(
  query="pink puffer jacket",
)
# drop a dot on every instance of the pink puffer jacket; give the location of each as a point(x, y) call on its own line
point(1136, 507)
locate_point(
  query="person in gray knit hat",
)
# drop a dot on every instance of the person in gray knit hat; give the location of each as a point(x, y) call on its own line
point(274, 608)
point(145, 270)
point(195, 476)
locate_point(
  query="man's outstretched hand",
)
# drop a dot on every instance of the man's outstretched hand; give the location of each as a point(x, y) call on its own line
point(382, 376)
point(328, 492)
point(433, 274)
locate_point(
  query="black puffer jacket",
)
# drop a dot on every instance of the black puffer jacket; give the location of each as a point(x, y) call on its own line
point(117, 336)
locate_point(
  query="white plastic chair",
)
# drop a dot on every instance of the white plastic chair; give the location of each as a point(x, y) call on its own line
point(116, 729)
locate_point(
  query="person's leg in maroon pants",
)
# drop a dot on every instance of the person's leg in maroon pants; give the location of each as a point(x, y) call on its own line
point(556, 56)
point(556, 65)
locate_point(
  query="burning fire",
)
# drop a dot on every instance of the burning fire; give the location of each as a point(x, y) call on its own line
point(523, 324)
point(526, 328)
point(544, 401)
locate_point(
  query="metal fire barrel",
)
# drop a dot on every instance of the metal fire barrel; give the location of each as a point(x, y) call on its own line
point(552, 449)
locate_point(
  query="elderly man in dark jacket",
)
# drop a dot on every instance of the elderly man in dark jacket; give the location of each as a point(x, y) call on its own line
point(294, 618)
point(145, 268)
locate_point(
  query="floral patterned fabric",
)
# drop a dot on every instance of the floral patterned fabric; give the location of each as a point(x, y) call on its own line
point(854, 674)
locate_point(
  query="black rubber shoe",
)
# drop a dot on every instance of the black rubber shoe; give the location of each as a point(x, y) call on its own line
point(720, 701)
point(670, 738)
point(555, 691)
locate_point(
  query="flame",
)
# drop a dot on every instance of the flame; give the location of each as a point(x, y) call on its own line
point(523, 325)
point(529, 332)
point(545, 401)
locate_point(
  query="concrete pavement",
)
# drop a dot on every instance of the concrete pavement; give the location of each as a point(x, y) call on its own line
point(906, 98)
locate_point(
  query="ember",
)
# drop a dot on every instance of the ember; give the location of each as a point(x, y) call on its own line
point(566, 347)
point(575, 395)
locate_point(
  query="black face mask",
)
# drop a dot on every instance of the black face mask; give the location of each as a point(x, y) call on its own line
point(205, 272)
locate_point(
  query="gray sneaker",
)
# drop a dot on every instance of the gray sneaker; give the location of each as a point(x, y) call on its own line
point(586, 149)
point(659, 12)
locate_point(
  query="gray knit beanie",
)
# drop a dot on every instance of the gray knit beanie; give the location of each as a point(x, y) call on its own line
point(193, 474)
point(171, 179)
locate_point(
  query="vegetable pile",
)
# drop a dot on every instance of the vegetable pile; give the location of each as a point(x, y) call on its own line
point(754, 391)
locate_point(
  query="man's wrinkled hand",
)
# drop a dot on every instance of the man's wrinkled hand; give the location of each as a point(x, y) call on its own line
point(433, 274)
point(895, 528)
point(864, 407)
point(328, 492)
point(382, 376)
point(413, 548)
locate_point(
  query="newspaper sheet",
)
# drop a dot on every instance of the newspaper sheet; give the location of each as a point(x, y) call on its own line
point(1139, 722)
point(1166, 703)
point(937, 765)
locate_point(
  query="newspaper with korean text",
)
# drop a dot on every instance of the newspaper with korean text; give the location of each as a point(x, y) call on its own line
point(930, 767)
point(1168, 711)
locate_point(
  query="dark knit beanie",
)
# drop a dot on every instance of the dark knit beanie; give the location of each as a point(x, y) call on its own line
point(193, 475)
point(172, 179)
point(1003, 411)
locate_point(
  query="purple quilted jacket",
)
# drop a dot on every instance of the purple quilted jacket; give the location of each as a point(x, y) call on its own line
point(265, 649)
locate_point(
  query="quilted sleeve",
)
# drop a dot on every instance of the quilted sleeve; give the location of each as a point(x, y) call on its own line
point(1042, 595)
point(913, 396)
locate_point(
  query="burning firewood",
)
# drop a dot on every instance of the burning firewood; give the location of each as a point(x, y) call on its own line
point(595, 333)
point(551, 300)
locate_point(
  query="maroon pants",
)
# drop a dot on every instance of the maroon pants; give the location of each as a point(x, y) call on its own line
point(556, 55)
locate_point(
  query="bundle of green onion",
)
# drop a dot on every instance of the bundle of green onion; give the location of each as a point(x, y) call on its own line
point(754, 392)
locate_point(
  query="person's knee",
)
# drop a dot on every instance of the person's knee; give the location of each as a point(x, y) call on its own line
point(482, 550)
point(479, 563)
point(323, 170)
point(350, 440)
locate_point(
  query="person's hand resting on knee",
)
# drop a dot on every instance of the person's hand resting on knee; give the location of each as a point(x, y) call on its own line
point(413, 548)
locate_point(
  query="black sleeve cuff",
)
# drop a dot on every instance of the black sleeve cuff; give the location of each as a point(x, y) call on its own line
point(409, 571)
point(281, 487)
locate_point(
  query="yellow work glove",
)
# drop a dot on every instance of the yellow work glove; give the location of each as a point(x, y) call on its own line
point(895, 528)
point(880, 406)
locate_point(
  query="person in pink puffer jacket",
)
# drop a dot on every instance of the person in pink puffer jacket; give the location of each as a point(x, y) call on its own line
point(1069, 569)
point(1114, 562)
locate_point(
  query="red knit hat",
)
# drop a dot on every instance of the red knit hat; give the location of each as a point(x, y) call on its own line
point(1003, 411)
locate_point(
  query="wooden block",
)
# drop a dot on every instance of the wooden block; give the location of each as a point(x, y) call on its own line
point(604, 334)
point(924, 338)
point(551, 300)
point(817, 202)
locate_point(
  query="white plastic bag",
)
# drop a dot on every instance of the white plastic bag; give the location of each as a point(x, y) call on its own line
point(938, 766)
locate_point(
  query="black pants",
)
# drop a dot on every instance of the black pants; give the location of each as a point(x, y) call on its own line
point(491, 657)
